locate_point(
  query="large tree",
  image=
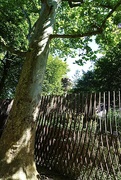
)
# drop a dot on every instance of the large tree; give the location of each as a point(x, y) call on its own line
point(108, 70)
point(56, 70)
point(86, 18)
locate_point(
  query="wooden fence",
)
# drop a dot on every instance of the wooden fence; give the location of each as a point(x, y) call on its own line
point(79, 135)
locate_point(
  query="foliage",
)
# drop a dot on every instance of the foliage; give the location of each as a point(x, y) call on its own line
point(85, 83)
point(55, 71)
point(15, 22)
point(108, 71)
point(106, 74)
point(89, 17)
point(15, 27)
point(10, 69)
point(18, 21)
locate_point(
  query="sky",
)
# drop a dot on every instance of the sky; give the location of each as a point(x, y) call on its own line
point(74, 67)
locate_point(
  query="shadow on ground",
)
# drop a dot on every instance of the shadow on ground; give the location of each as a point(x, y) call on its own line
point(46, 174)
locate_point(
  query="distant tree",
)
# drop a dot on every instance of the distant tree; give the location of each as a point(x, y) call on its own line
point(85, 83)
point(106, 75)
point(108, 70)
point(66, 84)
point(56, 69)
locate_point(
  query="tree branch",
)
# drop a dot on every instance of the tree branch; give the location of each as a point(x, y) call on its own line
point(110, 13)
point(98, 31)
point(10, 49)
point(90, 33)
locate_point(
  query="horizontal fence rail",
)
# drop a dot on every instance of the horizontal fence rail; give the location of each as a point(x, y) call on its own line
point(79, 135)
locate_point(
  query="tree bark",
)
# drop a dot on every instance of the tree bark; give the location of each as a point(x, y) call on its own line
point(17, 141)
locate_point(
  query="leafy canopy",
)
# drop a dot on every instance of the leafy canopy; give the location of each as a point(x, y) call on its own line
point(73, 27)
point(55, 71)
point(106, 75)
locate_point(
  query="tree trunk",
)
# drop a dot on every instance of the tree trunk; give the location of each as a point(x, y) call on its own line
point(17, 141)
